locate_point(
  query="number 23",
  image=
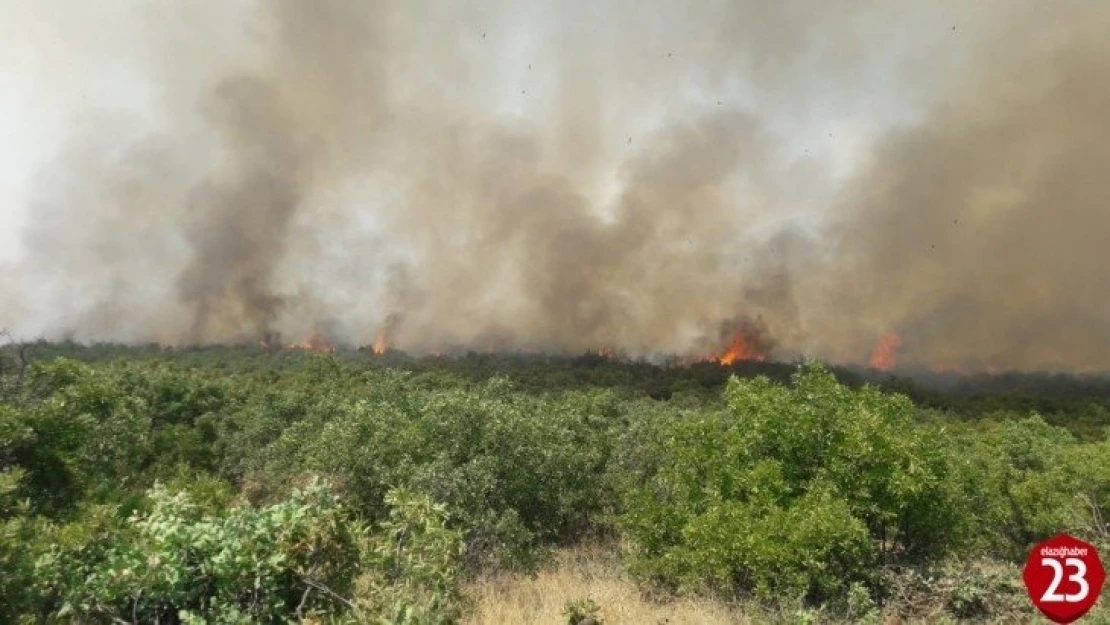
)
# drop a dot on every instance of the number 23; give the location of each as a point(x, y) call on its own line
point(1051, 596)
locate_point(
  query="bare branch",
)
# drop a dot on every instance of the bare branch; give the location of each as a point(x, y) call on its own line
point(328, 591)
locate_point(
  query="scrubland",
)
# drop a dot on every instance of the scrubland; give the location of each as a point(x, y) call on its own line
point(231, 485)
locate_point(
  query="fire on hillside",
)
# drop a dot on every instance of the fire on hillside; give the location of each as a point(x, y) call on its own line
point(316, 341)
point(743, 340)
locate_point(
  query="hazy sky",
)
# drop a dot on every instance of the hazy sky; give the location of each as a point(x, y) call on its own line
point(63, 60)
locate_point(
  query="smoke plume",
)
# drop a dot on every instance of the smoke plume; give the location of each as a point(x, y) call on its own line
point(568, 176)
point(977, 234)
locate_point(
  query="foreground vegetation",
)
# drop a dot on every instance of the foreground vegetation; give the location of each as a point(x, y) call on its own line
point(234, 486)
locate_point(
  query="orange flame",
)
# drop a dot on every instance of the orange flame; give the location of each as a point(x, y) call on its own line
point(885, 354)
point(380, 343)
point(740, 348)
point(316, 342)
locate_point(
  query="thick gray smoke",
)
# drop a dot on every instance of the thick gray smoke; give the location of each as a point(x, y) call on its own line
point(566, 176)
point(979, 234)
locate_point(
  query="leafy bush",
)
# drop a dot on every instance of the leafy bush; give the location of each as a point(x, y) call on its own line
point(583, 612)
point(303, 557)
point(514, 469)
point(294, 557)
point(791, 491)
point(413, 564)
point(16, 559)
point(1025, 480)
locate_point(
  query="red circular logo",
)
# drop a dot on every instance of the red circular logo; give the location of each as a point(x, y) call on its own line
point(1064, 577)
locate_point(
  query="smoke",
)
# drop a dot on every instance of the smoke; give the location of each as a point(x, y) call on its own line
point(977, 234)
point(576, 175)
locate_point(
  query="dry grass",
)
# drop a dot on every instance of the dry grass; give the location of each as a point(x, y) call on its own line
point(595, 572)
point(580, 573)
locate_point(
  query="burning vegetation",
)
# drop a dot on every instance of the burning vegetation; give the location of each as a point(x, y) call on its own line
point(885, 355)
point(316, 342)
point(744, 340)
point(380, 343)
point(740, 347)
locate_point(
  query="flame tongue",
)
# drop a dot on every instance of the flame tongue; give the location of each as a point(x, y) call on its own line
point(885, 354)
point(380, 342)
point(746, 341)
point(387, 331)
point(740, 348)
point(316, 342)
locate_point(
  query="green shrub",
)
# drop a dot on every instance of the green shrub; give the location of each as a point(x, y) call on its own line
point(792, 491)
point(16, 556)
point(294, 557)
point(583, 612)
point(515, 470)
point(301, 558)
point(412, 565)
point(1022, 480)
point(84, 439)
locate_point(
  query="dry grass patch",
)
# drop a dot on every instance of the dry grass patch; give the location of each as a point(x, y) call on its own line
point(595, 573)
point(581, 573)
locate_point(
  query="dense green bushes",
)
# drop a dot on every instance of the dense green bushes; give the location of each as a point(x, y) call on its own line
point(140, 488)
point(803, 490)
point(242, 564)
point(1025, 479)
point(1079, 403)
point(792, 491)
point(305, 556)
point(515, 469)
